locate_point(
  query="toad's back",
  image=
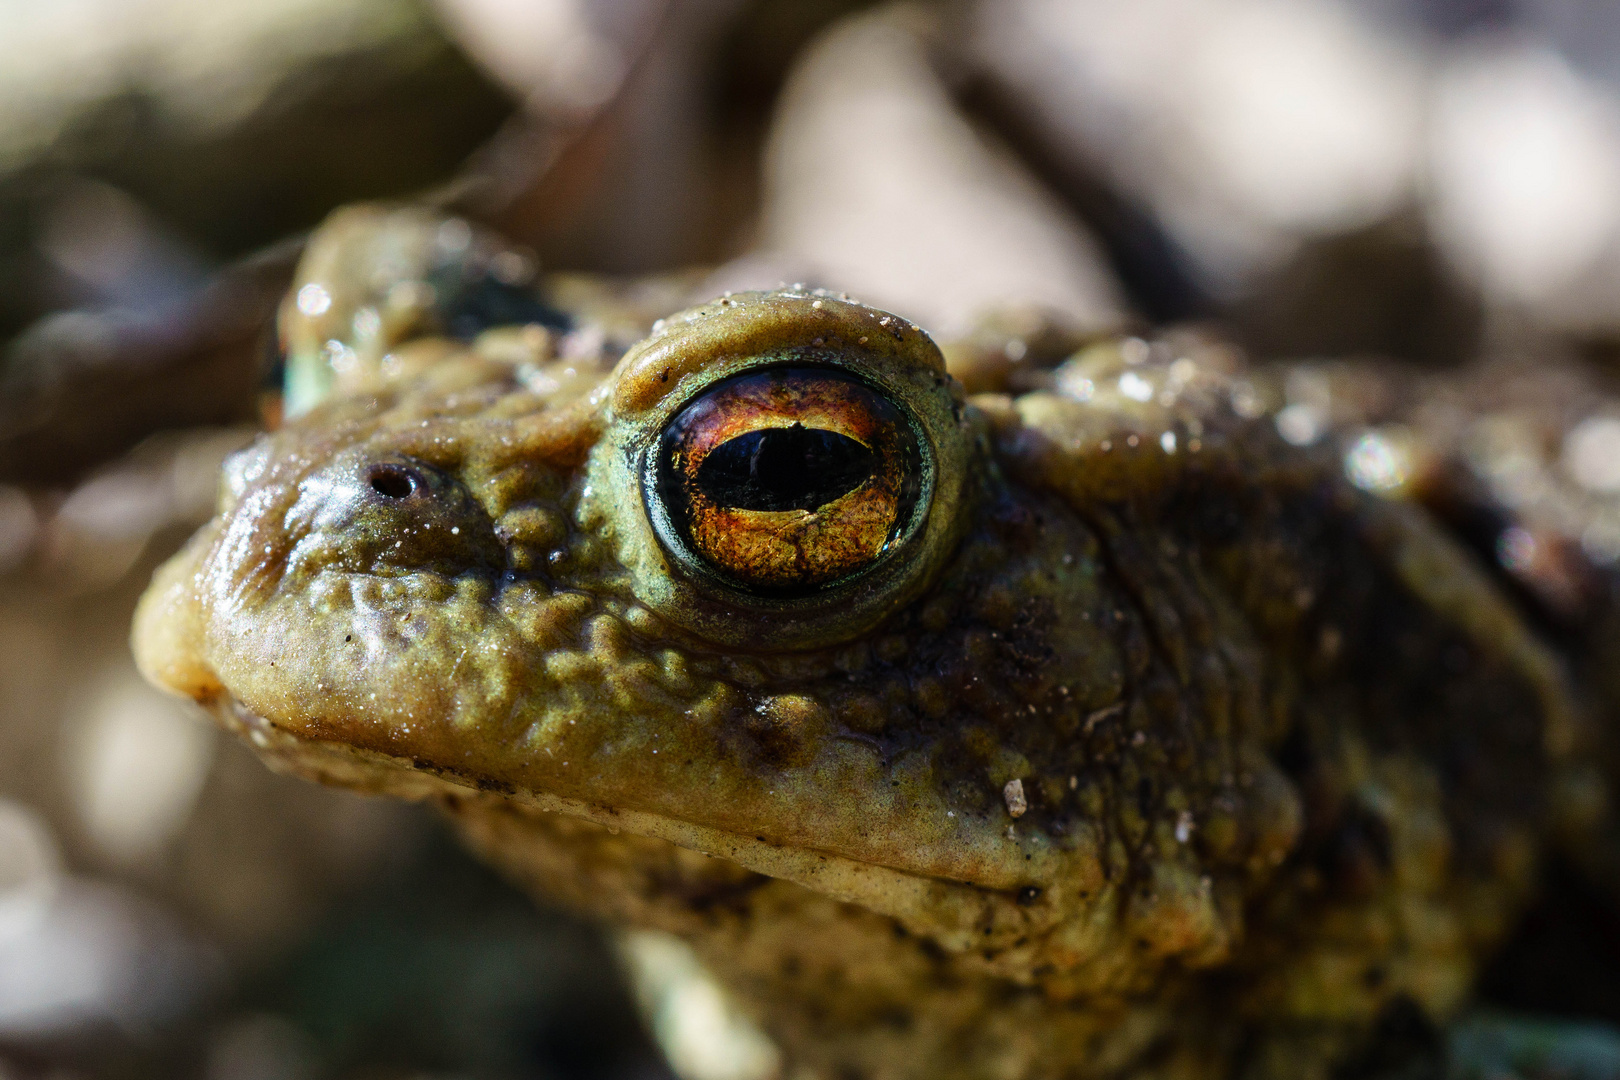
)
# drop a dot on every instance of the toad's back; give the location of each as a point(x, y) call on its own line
point(1086, 730)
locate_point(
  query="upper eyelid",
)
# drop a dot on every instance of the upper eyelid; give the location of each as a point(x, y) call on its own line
point(865, 408)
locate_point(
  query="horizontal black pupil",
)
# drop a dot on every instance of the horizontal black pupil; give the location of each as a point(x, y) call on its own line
point(791, 468)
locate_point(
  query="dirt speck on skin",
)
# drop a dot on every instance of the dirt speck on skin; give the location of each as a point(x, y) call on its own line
point(1013, 793)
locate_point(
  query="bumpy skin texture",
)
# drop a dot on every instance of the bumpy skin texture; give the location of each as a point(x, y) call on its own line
point(1287, 755)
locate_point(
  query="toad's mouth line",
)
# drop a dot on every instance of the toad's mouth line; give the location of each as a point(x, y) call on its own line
point(890, 890)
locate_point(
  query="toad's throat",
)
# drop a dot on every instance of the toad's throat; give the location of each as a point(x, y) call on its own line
point(894, 890)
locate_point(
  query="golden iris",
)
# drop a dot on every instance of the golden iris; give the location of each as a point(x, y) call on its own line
point(789, 479)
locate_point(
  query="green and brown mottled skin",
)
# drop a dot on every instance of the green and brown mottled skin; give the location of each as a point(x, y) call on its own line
point(1289, 754)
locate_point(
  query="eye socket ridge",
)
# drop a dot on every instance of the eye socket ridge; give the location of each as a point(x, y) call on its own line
point(786, 481)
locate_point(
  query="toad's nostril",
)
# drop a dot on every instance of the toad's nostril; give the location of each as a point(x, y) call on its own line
point(394, 481)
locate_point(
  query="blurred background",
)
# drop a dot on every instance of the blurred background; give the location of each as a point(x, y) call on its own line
point(1428, 183)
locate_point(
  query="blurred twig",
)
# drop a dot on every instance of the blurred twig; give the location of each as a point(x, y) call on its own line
point(81, 386)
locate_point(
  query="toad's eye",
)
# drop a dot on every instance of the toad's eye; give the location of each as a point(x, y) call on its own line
point(787, 480)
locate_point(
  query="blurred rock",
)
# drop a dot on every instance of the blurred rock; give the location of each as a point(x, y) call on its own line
point(875, 182)
point(78, 955)
point(1525, 192)
point(137, 763)
point(1245, 126)
point(99, 956)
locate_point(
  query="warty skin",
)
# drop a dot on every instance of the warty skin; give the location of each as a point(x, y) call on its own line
point(1148, 746)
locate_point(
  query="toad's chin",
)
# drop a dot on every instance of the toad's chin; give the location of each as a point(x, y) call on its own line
point(958, 914)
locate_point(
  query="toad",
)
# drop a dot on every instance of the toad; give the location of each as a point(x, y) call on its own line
point(1085, 729)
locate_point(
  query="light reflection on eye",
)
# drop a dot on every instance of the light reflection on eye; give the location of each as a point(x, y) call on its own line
point(788, 479)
